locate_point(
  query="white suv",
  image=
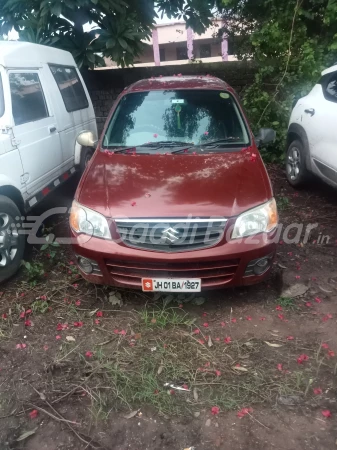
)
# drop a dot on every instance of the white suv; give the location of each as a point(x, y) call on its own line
point(44, 107)
point(312, 134)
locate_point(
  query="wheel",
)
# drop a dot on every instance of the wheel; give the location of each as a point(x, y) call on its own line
point(86, 155)
point(12, 244)
point(296, 169)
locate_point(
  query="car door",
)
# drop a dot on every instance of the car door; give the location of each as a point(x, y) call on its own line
point(34, 130)
point(320, 118)
point(75, 111)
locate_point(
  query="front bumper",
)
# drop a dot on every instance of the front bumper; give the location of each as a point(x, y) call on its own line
point(224, 265)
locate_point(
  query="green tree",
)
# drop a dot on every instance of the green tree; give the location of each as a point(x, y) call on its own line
point(291, 42)
point(118, 25)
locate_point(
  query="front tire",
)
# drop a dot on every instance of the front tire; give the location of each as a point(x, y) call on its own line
point(296, 168)
point(12, 244)
point(86, 155)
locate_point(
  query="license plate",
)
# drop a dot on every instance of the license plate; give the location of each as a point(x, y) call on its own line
point(171, 284)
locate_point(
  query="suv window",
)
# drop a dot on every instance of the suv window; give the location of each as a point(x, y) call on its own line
point(70, 86)
point(28, 102)
point(2, 100)
point(329, 86)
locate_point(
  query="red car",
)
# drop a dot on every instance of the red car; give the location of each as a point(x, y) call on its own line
point(176, 197)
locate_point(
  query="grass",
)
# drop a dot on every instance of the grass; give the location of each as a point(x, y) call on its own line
point(287, 302)
point(163, 317)
point(282, 203)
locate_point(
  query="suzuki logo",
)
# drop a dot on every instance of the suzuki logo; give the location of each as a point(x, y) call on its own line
point(170, 234)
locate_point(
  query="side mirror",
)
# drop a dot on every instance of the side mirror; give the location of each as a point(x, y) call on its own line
point(87, 139)
point(265, 136)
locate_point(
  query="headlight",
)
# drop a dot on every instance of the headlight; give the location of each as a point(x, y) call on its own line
point(87, 221)
point(264, 218)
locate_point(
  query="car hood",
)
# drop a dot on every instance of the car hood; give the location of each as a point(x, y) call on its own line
point(201, 185)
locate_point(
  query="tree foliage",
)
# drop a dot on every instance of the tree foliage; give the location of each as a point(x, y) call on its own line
point(119, 26)
point(291, 42)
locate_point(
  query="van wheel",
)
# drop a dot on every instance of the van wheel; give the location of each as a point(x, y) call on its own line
point(86, 155)
point(296, 169)
point(12, 244)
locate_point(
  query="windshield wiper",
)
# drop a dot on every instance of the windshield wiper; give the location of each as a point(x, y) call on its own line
point(218, 142)
point(165, 144)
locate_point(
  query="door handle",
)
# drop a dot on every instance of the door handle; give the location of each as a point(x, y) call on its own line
point(310, 111)
point(52, 129)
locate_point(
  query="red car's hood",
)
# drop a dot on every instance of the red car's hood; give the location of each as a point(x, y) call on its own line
point(222, 184)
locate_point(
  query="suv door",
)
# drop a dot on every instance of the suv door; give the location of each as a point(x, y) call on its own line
point(320, 124)
point(35, 132)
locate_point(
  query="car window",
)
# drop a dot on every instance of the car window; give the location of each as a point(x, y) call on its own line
point(189, 115)
point(329, 86)
point(28, 102)
point(71, 87)
point(2, 100)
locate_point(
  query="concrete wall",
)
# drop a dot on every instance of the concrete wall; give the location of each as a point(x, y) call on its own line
point(105, 85)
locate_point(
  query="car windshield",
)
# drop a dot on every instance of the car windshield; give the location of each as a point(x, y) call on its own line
point(193, 116)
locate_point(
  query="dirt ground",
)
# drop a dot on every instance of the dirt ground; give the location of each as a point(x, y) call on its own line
point(85, 367)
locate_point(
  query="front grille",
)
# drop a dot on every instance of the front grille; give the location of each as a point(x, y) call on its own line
point(170, 235)
point(212, 273)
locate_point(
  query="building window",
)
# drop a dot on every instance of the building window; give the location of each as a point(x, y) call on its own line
point(182, 53)
point(162, 54)
point(205, 50)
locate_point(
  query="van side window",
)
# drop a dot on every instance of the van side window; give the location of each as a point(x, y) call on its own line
point(70, 87)
point(28, 102)
point(329, 86)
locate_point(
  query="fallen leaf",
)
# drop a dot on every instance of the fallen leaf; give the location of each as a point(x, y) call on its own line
point(131, 414)
point(295, 290)
point(240, 368)
point(208, 423)
point(160, 368)
point(195, 394)
point(270, 344)
point(26, 434)
point(210, 343)
point(70, 338)
point(115, 300)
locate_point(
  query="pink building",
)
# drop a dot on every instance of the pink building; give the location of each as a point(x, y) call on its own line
point(172, 44)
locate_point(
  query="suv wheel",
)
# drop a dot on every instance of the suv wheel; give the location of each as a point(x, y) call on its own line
point(12, 244)
point(296, 169)
point(86, 155)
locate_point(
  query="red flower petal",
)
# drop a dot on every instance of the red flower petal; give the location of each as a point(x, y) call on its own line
point(279, 367)
point(122, 332)
point(205, 325)
point(205, 314)
point(217, 373)
point(89, 354)
point(97, 321)
point(28, 323)
point(22, 315)
point(324, 345)
point(215, 410)
point(196, 331)
point(78, 324)
point(326, 413)
point(233, 320)
point(308, 304)
point(318, 391)
point(45, 348)
point(4, 316)
point(29, 311)
point(318, 300)
point(249, 318)
point(78, 302)
point(201, 341)
point(278, 308)
point(331, 353)
point(262, 318)
point(99, 314)
point(223, 324)
point(290, 338)
point(58, 337)
point(280, 316)
point(302, 358)
point(33, 414)
point(227, 340)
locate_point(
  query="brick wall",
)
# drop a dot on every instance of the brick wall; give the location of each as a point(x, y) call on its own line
point(105, 85)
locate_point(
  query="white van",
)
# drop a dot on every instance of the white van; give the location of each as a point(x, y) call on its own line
point(44, 106)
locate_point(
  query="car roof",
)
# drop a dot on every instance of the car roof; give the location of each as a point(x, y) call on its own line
point(17, 54)
point(179, 82)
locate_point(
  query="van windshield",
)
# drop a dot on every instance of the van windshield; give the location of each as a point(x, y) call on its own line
point(192, 116)
point(2, 100)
